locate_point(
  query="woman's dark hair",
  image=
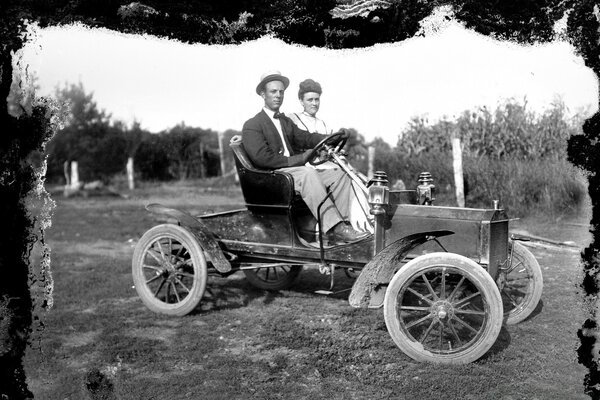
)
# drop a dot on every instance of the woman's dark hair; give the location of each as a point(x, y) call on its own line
point(309, 86)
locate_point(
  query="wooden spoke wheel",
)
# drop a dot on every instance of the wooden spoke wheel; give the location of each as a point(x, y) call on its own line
point(273, 278)
point(520, 283)
point(443, 308)
point(169, 270)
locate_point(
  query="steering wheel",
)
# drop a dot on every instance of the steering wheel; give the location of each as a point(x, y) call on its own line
point(336, 140)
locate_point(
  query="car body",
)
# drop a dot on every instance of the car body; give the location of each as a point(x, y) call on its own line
point(447, 277)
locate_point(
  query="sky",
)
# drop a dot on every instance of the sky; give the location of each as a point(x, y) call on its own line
point(376, 90)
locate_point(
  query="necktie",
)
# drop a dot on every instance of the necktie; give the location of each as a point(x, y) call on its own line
point(277, 115)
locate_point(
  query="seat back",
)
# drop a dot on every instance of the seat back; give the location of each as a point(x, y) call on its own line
point(261, 188)
point(240, 154)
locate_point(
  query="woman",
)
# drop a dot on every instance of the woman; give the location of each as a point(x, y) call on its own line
point(309, 94)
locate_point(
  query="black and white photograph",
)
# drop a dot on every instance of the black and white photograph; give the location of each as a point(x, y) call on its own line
point(345, 199)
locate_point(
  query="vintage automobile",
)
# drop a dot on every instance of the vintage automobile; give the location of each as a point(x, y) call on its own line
point(447, 277)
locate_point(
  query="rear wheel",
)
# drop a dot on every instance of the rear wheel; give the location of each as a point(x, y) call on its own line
point(520, 284)
point(273, 278)
point(443, 308)
point(169, 270)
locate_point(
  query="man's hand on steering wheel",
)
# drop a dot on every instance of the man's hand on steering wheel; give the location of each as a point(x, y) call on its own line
point(334, 141)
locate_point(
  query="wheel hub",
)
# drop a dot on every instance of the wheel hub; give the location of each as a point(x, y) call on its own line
point(442, 310)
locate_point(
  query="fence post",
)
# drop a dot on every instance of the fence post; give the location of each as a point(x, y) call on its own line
point(67, 175)
point(130, 181)
point(458, 171)
point(371, 155)
point(202, 166)
point(74, 175)
point(221, 152)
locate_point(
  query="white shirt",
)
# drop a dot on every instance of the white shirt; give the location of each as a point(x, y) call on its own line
point(277, 122)
point(309, 123)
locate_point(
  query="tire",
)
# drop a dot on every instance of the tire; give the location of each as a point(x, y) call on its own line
point(520, 284)
point(456, 325)
point(273, 278)
point(169, 270)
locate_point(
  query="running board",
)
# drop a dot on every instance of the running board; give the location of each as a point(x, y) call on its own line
point(329, 292)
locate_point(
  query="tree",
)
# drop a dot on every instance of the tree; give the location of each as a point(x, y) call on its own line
point(191, 151)
point(100, 147)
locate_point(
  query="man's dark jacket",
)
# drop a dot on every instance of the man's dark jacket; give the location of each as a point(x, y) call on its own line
point(263, 143)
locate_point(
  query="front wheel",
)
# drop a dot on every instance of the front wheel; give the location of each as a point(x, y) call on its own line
point(520, 283)
point(169, 270)
point(443, 308)
point(273, 278)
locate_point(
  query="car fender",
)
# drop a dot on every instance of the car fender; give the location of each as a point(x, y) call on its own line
point(205, 237)
point(369, 288)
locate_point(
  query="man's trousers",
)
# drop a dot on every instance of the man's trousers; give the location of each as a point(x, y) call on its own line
point(312, 185)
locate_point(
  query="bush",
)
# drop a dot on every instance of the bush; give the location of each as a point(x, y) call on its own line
point(510, 155)
point(544, 187)
point(151, 161)
point(510, 132)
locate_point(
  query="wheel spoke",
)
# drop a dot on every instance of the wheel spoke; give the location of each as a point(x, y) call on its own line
point(517, 290)
point(419, 295)
point(441, 336)
point(522, 278)
point(463, 323)
point(151, 252)
point(463, 302)
point(443, 289)
point(414, 308)
point(417, 322)
point(168, 292)
point(159, 287)
point(181, 283)
point(152, 267)
point(469, 312)
point(458, 285)
point(435, 296)
point(427, 331)
point(454, 333)
point(181, 248)
point(186, 274)
point(176, 293)
point(153, 278)
point(510, 298)
point(162, 252)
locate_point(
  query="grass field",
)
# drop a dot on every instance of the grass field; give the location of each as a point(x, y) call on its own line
point(101, 342)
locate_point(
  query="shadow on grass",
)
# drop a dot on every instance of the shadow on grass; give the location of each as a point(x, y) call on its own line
point(236, 292)
point(311, 280)
point(538, 310)
point(231, 293)
point(502, 343)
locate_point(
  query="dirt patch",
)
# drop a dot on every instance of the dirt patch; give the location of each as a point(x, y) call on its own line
point(97, 248)
point(155, 333)
point(81, 339)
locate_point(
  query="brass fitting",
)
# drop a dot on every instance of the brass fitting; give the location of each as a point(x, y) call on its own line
point(426, 189)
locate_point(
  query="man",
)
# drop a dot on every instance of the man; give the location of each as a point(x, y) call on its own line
point(273, 141)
